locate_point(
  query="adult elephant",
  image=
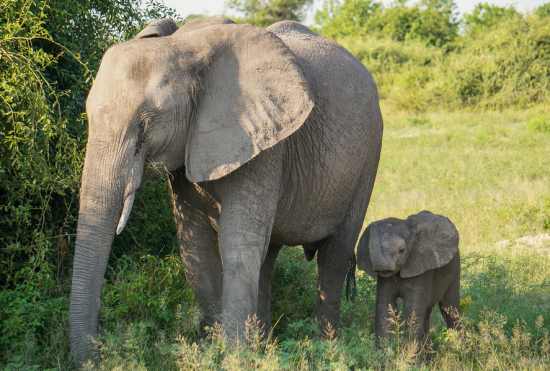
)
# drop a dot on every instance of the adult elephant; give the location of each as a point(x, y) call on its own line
point(270, 137)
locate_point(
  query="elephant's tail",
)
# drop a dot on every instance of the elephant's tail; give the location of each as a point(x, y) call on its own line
point(351, 287)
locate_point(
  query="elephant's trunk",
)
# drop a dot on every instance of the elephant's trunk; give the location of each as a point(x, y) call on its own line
point(90, 262)
point(106, 184)
point(380, 262)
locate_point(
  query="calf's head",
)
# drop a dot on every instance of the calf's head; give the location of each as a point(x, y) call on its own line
point(409, 247)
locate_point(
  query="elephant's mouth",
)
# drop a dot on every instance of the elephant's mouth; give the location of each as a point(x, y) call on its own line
point(385, 273)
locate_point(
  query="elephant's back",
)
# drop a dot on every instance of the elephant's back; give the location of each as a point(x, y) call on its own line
point(345, 93)
point(330, 158)
point(330, 69)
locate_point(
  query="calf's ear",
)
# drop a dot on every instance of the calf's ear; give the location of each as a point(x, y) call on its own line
point(435, 242)
point(368, 240)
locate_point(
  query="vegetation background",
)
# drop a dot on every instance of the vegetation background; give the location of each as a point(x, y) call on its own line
point(467, 135)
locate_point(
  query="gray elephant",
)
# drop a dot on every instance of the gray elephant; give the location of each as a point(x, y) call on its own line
point(269, 137)
point(416, 259)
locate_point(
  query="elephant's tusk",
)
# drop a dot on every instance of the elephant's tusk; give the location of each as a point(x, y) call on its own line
point(128, 202)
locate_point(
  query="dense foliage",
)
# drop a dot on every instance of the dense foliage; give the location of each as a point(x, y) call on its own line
point(423, 59)
point(262, 13)
point(49, 53)
point(421, 62)
point(432, 21)
point(500, 67)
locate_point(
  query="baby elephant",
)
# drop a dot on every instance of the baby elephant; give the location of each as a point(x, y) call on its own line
point(416, 259)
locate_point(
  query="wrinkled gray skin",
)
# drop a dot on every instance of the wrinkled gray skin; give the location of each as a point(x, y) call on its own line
point(416, 259)
point(270, 137)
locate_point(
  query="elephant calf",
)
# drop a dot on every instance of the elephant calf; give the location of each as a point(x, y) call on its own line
point(416, 259)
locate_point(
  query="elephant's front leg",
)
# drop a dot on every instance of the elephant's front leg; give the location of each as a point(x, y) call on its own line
point(196, 215)
point(247, 215)
point(416, 309)
point(386, 310)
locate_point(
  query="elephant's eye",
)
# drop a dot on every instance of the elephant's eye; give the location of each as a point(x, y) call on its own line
point(401, 251)
point(142, 133)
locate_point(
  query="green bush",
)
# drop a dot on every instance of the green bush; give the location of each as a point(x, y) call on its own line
point(504, 66)
point(485, 17)
point(293, 291)
point(360, 311)
point(50, 51)
point(430, 21)
point(39, 152)
point(150, 289)
point(350, 17)
point(541, 122)
point(30, 308)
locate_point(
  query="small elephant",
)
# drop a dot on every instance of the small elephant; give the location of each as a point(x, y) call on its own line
point(416, 259)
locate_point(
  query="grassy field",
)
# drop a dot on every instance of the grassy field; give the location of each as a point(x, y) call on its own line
point(489, 172)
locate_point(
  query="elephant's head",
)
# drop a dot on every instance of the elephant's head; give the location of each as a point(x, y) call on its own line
point(208, 97)
point(411, 247)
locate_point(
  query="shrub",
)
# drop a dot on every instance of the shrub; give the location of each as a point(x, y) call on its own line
point(30, 308)
point(50, 51)
point(293, 291)
point(151, 290)
point(541, 122)
point(432, 22)
point(504, 66)
point(485, 16)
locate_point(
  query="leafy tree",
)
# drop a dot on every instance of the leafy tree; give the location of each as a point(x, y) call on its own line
point(263, 13)
point(432, 21)
point(351, 17)
point(543, 10)
point(49, 52)
point(485, 16)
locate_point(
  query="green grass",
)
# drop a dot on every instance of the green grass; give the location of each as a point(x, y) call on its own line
point(489, 172)
point(486, 171)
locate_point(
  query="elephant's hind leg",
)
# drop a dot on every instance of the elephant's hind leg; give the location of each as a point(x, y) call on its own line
point(450, 304)
point(333, 258)
point(196, 216)
point(334, 255)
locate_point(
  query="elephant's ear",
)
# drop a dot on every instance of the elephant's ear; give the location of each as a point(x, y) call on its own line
point(159, 28)
point(251, 94)
point(436, 242)
point(364, 262)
